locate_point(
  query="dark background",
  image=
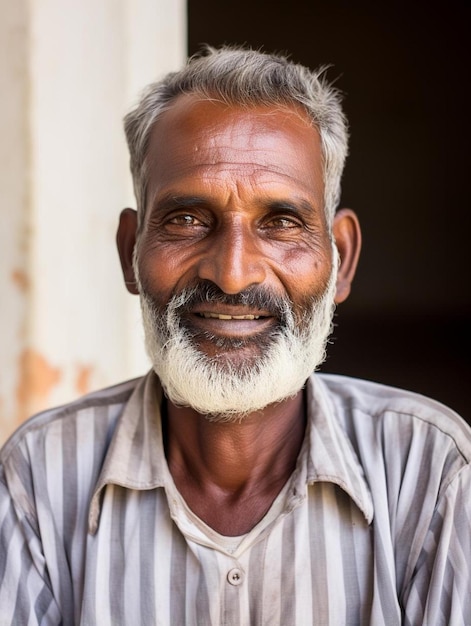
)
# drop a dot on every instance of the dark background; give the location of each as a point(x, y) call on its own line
point(404, 72)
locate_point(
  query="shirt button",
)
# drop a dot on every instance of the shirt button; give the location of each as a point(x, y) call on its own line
point(235, 576)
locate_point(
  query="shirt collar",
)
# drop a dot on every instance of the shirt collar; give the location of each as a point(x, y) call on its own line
point(136, 458)
point(330, 454)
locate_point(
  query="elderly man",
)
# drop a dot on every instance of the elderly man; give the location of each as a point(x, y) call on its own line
point(231, 485)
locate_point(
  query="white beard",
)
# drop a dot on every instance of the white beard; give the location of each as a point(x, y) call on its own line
point(226, 391)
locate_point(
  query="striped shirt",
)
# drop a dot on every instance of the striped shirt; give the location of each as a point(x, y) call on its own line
point(373, 527)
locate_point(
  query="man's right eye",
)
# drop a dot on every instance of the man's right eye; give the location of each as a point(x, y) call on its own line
point(185, 220)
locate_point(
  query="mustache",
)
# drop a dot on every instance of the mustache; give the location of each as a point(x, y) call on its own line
point(255, 297)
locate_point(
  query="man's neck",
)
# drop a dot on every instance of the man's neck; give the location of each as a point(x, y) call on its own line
point(230, 473)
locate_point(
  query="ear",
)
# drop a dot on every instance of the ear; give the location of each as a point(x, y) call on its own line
point(347, 235)
point(126, 241)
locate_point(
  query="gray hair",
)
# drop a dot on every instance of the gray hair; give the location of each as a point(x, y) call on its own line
point(245, 77)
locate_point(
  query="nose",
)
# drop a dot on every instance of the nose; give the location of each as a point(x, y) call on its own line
point(233, 259)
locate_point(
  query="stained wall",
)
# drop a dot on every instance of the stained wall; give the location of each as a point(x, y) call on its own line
point(68, 73)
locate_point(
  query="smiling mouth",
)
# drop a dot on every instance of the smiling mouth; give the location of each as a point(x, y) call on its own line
point(224, 316)
point(217, 326)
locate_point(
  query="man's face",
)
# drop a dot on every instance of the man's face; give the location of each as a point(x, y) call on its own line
point(235, 240)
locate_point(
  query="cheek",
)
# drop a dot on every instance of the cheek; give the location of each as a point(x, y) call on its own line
point(305, 274)
point(164, 270)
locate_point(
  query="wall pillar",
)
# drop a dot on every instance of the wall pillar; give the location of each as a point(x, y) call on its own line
point(69, 72)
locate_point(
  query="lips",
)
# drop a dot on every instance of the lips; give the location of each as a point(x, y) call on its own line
point(225, 321)
point(224, 316)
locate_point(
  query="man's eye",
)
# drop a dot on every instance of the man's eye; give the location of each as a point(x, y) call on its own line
point(283, 222)
point(185, 220)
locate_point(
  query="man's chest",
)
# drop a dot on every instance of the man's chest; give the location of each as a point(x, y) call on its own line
point(316, 564)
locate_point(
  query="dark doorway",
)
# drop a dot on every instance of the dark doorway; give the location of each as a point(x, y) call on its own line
point(404, 71)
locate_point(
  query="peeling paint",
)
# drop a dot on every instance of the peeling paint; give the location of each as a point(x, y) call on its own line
point(82, 382)
point(20, 279)
point(36, 379)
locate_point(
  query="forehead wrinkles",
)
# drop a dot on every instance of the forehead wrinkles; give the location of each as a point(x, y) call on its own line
point(195, 140)
point(279, 164)
point(230, 171)
point(191, 125)
point(263, 152)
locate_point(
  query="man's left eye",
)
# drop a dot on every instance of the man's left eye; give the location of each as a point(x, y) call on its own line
point(282, 222)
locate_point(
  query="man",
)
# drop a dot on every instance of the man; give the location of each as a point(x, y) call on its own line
point(231, 485)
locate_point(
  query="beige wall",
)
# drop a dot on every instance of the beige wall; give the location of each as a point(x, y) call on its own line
point(69, 70)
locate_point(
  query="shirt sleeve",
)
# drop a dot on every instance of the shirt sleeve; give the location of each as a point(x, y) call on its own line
point(440, 590)
point(25, 591)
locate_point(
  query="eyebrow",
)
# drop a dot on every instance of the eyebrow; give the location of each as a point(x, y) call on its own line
point(171, 201)
point(297, 205)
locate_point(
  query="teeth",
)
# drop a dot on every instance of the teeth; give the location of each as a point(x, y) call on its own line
point(222, 316)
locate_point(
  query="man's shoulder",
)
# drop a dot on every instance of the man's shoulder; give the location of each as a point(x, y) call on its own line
point(360, 403)
point(101, 405)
